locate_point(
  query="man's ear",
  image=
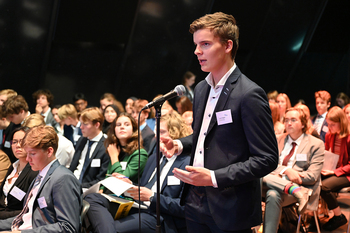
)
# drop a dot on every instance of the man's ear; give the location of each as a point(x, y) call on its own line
point(50, 152)
point(97, 125)
point(229, 46)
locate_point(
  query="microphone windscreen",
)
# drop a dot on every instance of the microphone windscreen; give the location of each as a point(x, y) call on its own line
point(180, 90)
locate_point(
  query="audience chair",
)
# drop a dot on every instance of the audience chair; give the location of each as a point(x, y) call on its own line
point(84, 210)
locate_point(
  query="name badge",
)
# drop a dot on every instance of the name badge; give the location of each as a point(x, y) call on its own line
point(17, 193)
point(42, 202)
point(7, 144)
point(172, 180)
point(224, 117)
point(301, 157)
point(123, 165)
point(96, 163)
point(325, 129)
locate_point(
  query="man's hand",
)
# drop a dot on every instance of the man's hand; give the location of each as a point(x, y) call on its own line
point(38, 109)
point(327, 172)
point(197, 176)
point(293, 175)
point(168, 147)
point(145, 193)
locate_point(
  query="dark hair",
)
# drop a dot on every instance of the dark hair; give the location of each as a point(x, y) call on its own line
point(22, 128)
point(78, 96)
point(132, 143)
point(44, 92)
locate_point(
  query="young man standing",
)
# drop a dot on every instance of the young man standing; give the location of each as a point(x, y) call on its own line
point(53, 201)
point(90, 160)
point(323, 102)
point(233, 142)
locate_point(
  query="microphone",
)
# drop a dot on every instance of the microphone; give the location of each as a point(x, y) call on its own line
point(178, 91)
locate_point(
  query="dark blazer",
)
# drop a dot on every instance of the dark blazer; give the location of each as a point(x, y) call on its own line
point(171, 210)
point(324, 128)
point(147, 136)
point(92, 175)
point(239, 153)
point(14, 206)
point(6, 146)
point(63, 197)
point(68, 133)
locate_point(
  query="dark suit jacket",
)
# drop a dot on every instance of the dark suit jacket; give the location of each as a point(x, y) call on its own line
point(63, 197)
point(6, 147)
point(14, 206)
point(324, 128)
point(239, 153)
point(68, 133)
point(147, 136)
point(171, 210)
point(92, 175)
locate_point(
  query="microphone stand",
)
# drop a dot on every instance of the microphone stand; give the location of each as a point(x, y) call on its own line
point(158, 108)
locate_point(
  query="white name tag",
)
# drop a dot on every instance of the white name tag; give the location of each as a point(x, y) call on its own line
point(123, 165)
point(224, 117)
point(325, 129)
point(17, 193)
point(301, 157)
point(172, 180)
point(7, 144)
point(42, 202)
point(96, 163)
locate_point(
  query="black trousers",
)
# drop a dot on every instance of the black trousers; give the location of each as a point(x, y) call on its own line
point(331, 185)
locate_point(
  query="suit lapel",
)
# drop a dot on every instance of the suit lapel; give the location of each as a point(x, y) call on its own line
point(97, 148)
point(225, 93)
point(301, 147)
point(199, 107)
point(53, 167)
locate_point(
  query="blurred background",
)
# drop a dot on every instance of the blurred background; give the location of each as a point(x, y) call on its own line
point(143, 48)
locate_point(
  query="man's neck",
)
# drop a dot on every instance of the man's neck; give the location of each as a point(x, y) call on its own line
point(295, 136)
point(219, 74)
point(45, 109)
point(90, 137)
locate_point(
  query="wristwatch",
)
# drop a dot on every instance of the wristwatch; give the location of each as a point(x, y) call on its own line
point(151, 198)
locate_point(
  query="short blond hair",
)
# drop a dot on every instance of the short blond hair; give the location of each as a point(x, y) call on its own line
point(92, 114)
point(33, 120)
point(67, 110)
point(8, 92)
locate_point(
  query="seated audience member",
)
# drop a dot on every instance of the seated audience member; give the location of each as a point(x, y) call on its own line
point(299, 169)
point(338, 142)
point(4, 94)
point(110, 114)
point(43, 100)
point(90, 160)
point(188, 80)
point(341, 100)
point(4, 165)
point(346, 110)
point(122, 147)
point(65, 149)
point(172, 213)
point(60, 125)
point(18, 178)
point(183, 104)
point(283, 104)
point(53, 201)
point(272, 96)
point(275, 113)
point(129, 104)
point(188, 118)
point(80, 102)
point(323, 102)
point(16, 109)
point(146, 132)
point(6, 127)
point(311, 129)
point(69, 116)
point(107, 99)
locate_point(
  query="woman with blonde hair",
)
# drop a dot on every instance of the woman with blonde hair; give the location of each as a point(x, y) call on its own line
point(283, 104)
point(338, 142)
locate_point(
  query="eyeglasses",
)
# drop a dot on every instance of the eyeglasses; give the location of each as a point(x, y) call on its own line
point(15, 142)
point(290, 120)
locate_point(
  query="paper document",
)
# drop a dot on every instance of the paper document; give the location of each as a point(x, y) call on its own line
point(92, 189)
point(115, 185)
point(330, 161)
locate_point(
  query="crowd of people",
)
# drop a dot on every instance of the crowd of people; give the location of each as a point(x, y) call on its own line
point(226, 148)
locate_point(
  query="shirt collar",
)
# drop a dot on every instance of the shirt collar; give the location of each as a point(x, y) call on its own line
point(98, 137)
point(46, 113)
point(298, 141)
point(43, 172)
point(222, 81)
